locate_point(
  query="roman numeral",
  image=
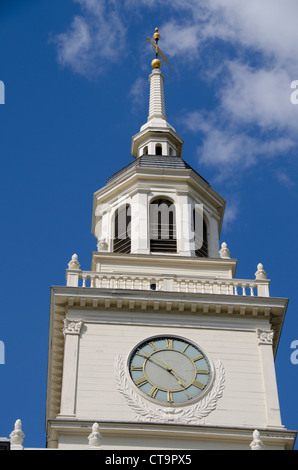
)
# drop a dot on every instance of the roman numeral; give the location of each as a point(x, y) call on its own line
point(202, 371)
point(153, 346)
point(139, 368)
point(141, 381)
point(198, 384)
point(153, 392)
point(170, 397)
point(169, 343)
point(198, 358)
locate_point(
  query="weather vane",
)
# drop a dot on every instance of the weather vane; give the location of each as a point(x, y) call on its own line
point(156, 63)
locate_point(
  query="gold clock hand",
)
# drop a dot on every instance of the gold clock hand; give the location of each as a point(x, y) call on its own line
point(176, 377)
point(169, 369)
point(153, 359)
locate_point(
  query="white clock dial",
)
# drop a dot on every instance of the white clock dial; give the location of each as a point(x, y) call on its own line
point(170, 369)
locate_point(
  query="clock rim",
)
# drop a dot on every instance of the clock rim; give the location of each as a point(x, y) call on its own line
point(166, 404)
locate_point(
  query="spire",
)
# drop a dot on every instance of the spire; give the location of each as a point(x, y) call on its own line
point(157, 99)
point(157, 136)
point(157, 107)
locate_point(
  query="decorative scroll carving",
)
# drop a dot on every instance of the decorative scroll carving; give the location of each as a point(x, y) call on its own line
point(72, 327)
point(194, 414)
point(265, 336)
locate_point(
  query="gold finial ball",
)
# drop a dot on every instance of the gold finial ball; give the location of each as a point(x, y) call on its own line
point(156, 35)
point(156, 63)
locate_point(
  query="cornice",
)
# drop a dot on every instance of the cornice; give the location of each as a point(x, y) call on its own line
point(185, 308)
point(138, 174)
point(188, 432)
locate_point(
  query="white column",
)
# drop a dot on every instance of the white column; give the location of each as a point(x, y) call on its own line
point(184, 225)
point(213, 238)
point(71, 331)
point(265, 341)
point(139, 223)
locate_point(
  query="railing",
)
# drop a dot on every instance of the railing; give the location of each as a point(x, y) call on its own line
point(251, 288)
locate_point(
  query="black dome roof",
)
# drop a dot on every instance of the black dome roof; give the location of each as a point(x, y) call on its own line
point(155, 161)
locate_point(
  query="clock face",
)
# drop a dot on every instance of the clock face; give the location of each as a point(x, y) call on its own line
point(170, 369)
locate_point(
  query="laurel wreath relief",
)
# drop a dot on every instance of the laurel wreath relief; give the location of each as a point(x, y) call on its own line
point(194, 415)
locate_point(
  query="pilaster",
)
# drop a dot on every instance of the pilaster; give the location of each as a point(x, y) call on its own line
point(139, 223)
point(185, 234)
point(265, 342)
point(213, 235)
point(71, 331)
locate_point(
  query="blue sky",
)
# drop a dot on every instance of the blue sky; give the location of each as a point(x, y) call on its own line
point(76, 91)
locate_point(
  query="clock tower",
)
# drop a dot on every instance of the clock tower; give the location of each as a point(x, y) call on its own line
point(159, 345)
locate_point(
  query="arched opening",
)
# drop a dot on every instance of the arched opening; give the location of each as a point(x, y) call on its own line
point(162, 226)
point(158, 149)
point(200, 234)
point(145, 150)
point(122, 233)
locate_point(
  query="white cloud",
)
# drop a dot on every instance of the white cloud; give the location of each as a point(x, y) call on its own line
point(228, 148)
point(269, 26)
point(254, 118)
point(74, 45)
point(259, 96)
point(283, 178)
point(231, 213)
point(137, 93)
point(94, 38)
point(180, 39)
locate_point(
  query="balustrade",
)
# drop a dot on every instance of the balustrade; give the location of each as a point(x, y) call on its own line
point(78, 278)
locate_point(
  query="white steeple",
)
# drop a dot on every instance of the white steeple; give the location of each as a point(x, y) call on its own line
point(156, 136)
point(157, 109)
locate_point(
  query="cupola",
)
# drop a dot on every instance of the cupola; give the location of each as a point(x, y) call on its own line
point(157, 204)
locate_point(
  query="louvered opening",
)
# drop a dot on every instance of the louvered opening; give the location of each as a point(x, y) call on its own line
point(163, 226)
point(122, 234)
point(201, 235)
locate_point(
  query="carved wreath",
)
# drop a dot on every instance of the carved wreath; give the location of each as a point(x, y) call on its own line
point(193, 415)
